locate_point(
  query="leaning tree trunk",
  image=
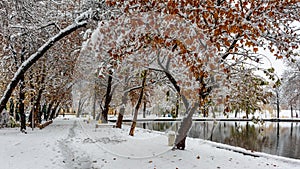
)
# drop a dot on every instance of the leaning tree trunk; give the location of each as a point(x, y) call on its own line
point(185, 126)
point(138, 104)
point(35, 57)
point(187, 121)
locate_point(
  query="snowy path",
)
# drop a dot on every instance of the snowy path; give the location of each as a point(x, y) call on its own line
point(72, 157)
point(54, 147)
point(74, 144)
point(37, 149)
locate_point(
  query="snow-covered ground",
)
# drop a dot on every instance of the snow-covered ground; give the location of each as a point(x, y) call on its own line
point(72, 143)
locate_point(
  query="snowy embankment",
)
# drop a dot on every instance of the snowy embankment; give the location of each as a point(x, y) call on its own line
point(73, 143)
point(284, 116)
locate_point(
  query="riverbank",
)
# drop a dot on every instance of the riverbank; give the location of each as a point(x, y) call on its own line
point(129, 119)
point(74, 143)
point(284, 116)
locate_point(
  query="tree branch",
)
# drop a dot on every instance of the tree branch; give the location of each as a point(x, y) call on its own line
point(35, 57)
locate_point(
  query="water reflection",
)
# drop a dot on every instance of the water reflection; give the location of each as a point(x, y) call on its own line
point(281, 139)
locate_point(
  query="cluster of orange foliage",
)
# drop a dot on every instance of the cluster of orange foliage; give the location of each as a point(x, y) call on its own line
point(233, 27)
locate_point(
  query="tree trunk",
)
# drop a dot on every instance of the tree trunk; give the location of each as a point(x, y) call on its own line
point(22, 97)
point(138, 104)
point(185, 126)
point(21, 104)
point(124, 102)
point(277, 103)
point(44, 111)
point(120, 118)
point(247, 112)
point(187, 121)
point(80, 106)
point(17, 111)
point(48, 112)
point(122, 109)
point(94, 102)
point(108, 97)
point(36, 107)
point(11, 107)
point(177, 108)
point(144, 110)
point(40, 114)
point(291, 111)
point(53, 112)
point(35, 57)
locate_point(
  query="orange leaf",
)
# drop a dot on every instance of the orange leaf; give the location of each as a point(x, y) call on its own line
point(255, 49)
point(279, 57)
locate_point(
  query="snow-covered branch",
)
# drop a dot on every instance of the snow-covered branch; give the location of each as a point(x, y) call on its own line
point(34, 57)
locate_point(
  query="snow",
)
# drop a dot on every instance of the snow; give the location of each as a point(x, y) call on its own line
point(77, 143)
point(264, 115)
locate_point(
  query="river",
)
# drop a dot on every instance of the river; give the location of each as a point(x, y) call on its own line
point(277, 138)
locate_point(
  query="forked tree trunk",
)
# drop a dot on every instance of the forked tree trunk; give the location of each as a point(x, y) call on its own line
point(138, 104)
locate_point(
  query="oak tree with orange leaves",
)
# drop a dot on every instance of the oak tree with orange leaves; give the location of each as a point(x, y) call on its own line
point(235, 29)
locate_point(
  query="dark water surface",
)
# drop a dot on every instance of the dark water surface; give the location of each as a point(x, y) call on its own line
point(277, 138)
